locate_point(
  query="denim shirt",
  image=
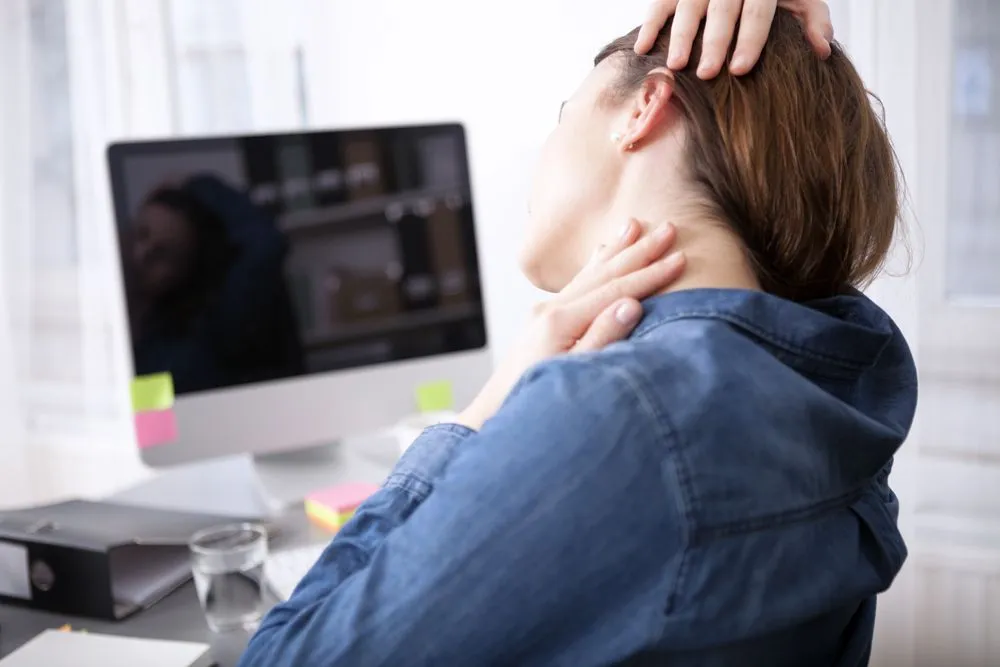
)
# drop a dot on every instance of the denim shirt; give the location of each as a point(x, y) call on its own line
point(711, 491)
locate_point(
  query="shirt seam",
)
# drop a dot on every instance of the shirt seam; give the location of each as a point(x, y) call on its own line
point(776, 340)
point(665, 428)
point(778, 519)
point(414, 486)
point(416, 479)
point(450, 428)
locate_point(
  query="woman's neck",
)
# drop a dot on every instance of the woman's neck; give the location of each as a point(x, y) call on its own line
point(715, 256)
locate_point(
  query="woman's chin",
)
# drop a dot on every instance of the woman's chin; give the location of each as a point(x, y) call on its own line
point(539, 274)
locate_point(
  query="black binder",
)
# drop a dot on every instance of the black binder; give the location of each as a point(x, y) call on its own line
point(95, 559)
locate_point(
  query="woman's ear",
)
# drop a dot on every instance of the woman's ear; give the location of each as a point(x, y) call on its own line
point(648, 108)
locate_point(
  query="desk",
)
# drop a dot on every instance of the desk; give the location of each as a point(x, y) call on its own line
point(179, 616)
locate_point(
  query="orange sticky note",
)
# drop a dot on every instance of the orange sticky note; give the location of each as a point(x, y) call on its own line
point(155, 427)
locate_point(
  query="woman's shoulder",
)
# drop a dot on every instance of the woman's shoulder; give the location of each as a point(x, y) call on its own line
point(676, 377)
point(676, 349)
point(708, 348)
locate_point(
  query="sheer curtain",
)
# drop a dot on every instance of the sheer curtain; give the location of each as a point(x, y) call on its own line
point(76, 75)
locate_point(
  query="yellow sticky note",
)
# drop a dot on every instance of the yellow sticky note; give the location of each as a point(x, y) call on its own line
point(324, 517)
point(435, 396)
point(152, 392)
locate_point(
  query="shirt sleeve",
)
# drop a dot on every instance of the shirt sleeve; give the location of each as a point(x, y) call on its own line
point(409, 484)
point(549, 534)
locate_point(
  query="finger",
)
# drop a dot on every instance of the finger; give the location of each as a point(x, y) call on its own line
point(597, 256)
point(719, 27)
point(651, 248)
point(755, 25)
point(659, 12)
point(638, 285)
point(631, 257)
point(590, 275)
point(822, 45)
point(628, 235)
point(614, 324)
point(687, 18)
point(819, 28)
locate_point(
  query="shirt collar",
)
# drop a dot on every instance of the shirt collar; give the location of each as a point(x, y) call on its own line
point(849, 328)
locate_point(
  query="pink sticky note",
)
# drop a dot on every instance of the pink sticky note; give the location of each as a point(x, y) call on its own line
point(343, 498)
point(155, 427)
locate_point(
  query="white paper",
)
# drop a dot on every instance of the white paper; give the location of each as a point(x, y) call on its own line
point(53, 648)
point(15, 581)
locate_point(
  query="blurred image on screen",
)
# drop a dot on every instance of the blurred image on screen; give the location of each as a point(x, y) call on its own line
point(265, 257)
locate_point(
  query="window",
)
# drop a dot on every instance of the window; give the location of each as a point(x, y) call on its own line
point(956, 197)
point(237, 70)
point(973, 246)
point(210, 66)
point(957, 189)
point(51, 134)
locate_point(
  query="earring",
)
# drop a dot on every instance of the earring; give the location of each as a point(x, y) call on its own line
point(616, 137)
point(631, 147)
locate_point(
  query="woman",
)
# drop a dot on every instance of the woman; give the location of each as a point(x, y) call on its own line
point(711, 491)
point(208, 298)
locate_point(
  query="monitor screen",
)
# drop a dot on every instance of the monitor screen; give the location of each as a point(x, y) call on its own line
point(255, 258)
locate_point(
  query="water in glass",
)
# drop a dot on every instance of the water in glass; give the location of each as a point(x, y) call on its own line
point(228, 563)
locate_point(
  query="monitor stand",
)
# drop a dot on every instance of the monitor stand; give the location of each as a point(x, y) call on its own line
point(264, 486)
point(285, 478)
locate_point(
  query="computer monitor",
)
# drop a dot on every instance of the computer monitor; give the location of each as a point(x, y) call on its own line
point(298, 288)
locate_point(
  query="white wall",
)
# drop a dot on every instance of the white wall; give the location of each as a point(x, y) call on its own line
point(501, 68)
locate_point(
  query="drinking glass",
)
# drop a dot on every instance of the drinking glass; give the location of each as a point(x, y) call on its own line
point(228, 566)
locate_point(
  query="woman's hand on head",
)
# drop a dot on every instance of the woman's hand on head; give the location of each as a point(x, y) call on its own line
point(721, 16)
point(598, 307)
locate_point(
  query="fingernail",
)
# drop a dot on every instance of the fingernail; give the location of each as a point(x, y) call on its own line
point(627, 229)
point(628, 313)
point(674, 258)
point(663, 231)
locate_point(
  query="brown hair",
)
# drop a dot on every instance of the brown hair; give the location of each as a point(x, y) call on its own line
point(792, 156)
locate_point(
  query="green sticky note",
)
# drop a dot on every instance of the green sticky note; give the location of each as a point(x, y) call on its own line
point(152, 392)
point(435, 396)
